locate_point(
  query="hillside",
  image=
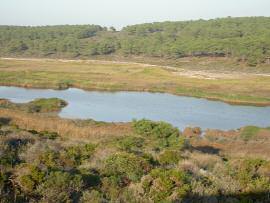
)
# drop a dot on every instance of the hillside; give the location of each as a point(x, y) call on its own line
point(246, 39)
point(44, 158)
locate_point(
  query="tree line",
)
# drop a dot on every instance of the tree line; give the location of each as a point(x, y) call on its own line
point(245, 38)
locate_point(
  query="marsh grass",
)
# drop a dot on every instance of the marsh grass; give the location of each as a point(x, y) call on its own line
point(57, 74)
point(64, 127)
point(42, 105)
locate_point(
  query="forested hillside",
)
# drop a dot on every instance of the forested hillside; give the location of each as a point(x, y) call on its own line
point(247, 39)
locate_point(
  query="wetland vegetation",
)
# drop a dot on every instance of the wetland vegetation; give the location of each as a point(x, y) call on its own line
point(236, 88)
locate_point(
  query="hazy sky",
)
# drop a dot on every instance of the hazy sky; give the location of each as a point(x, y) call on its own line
point(119, 13)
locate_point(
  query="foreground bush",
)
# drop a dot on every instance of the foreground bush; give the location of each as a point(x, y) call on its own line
point(46, 167)
point(127, 166)
point(60, 187)
point(166, 185)
point(169, 157)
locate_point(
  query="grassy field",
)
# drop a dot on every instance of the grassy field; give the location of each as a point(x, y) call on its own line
point(232, 87)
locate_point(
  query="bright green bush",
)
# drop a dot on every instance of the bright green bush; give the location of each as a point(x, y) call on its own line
point(156, 129)
point(162, 134)
point(78, 153)
point(130, 143)
point(168, 157)
point(126, 165)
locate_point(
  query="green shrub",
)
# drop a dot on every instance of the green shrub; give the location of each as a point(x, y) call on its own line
point(30, 180)
point(127, 166)
point(50, 159)
point(111, 188)
point(160, 133)
point(130, 143)
point(144, 127)
point(27, 183)
point(78, 153)
point(10, 149)
point(156, 129)
point(60, 187)
point(247, 171)
point(45, 105)
point(3, 181)
point(168, 157)
point(249, 132)
point(92, 196)
point(166, 185)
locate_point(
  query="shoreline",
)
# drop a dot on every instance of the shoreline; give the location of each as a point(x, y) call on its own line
point(176, 81)
point(230, 102)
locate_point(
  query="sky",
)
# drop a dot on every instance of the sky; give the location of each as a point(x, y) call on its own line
point(119, 13)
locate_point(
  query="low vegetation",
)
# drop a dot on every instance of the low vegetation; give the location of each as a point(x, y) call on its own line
point(142, 161)
point(249, 88)
point(36, 106)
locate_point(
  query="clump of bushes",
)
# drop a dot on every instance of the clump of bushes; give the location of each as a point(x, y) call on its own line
point(247, 171)
point(68, 157)
point(166, 185)
point(127, 166)
point(45, 105)
point(169, 157)
point(161, 134)
point(31, 179)
point(156, 129)
point(130, 143)
point(38, 167)
point(60, 187)
point(79, 153)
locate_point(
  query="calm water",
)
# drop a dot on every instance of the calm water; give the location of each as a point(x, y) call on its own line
point(125, 106)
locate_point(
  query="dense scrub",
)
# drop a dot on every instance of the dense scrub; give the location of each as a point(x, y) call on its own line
point(47, 167)
point(244, 38)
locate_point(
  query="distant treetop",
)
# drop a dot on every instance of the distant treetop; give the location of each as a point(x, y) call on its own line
point(246, 38)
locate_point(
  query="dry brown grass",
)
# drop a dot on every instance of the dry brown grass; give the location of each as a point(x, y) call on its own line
point(65, 127)
point(230, 144)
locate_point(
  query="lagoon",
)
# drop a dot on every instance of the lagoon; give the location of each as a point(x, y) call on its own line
point(124, 106)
